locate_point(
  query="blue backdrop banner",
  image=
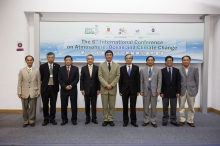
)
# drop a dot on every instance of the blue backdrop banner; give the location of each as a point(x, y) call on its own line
point(79, 39)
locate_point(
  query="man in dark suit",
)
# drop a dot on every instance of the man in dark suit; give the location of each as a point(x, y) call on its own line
point(170, 91)
point(129, 86)
point(90, 86)
point(68, 78)
point(49, 88)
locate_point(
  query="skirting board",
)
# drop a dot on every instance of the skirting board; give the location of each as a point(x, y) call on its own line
point(100, 109)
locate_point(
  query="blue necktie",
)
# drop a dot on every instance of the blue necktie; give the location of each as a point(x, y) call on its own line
point(170, 74)
point(149, 76)
point(129, 70)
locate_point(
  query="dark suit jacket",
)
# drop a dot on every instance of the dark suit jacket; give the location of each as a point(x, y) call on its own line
point(170, 89)
point(73, 79)
point(129, 83)
point(87, 82)
point(45, 76)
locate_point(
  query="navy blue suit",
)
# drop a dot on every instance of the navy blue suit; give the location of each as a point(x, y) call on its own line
point(72, 80)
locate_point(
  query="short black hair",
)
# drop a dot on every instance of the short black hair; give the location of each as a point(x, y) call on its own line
point(149, 57)
point(108, 51)
point(127, 55)
point(168, 58)
point(68, 56)
point(187, 56)
point(29, 56)
point(89, 55)
point(50, 53)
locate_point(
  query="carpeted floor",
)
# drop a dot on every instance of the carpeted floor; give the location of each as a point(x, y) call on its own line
point(206, 132)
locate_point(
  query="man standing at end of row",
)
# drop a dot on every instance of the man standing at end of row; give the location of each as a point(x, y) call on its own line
point(29, 90)
point(109, 73)
point(189, 89)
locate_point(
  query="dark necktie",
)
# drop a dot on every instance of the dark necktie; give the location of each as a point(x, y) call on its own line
point(129, 70)
point(109, 66)
point(170, 74)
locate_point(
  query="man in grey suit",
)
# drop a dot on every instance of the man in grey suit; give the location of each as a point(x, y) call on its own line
point(151, 79)
point(109, 73)
point(29, 83)
point(189, 89)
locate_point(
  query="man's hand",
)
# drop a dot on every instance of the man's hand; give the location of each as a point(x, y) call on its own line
point(19, 95)
point(162, 95)
point(158, 93)
point(109, 87)
point(83, 92)
point(142, 93)
point(68, 87)
point(120, 94)
point(177, 95)
point(98, 92)
point(138, 93)
point(38, 95)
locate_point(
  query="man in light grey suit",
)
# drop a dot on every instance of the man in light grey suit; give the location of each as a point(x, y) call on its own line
point(151, 79)
point(189, 89)
point(29, 83)
point(109, 73)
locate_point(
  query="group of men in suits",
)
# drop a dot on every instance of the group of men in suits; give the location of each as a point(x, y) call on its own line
point(170, 83)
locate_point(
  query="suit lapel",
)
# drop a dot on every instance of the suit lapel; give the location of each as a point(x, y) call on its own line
point(183, 70)
point(146, 72)
point(132, 70)
point(153, 72)
point(93, 71)
point(112, 67)
point(87, 70)
point(105, 66)
point(33, 72)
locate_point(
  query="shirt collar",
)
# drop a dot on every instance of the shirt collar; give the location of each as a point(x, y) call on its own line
point(150, 67)
point(129, 65)
point(90, 65)
point(50, 64)
point(186, 67)
point(109, 62)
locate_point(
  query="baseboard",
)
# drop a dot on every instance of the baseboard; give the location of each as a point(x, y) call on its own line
point(116, 109)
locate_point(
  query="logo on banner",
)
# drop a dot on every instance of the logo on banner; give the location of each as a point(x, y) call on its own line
point(122, 31)
point(153, 29)
point(91, 30)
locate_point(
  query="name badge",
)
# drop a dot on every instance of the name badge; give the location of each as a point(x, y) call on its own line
point(51, 76)
point(149, 79)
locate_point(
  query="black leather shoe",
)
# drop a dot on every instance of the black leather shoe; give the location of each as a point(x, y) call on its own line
point(95, 121)
point(125, 124)
point(63, 123)
point(134, 124)
point(105, 123)
point(87, 121)
point(25, 125)
point(32, 125)
point(145, 124)
point(53, 122)
point(45, 123)
point(154, 125)
point(111, 123)
point(164, 123)
point(74, 122)
point(174, 123)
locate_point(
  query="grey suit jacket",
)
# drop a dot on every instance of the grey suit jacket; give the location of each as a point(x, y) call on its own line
point(106, 77)
point(156, 80)
point(189, 81)
point(29, 87)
